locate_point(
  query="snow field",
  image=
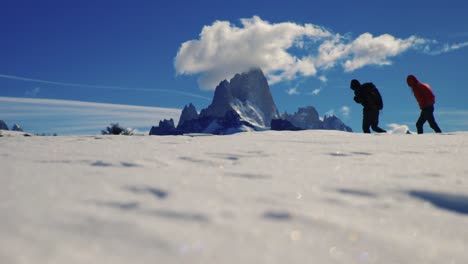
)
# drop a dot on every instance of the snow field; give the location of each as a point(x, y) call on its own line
point(255, 197)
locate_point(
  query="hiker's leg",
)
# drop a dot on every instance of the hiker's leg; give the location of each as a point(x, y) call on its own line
point(365, 121)
point(375, 122)
point(421, 120)
point(431, 120)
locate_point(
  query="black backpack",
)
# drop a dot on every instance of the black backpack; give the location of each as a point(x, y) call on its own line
point(373, 97)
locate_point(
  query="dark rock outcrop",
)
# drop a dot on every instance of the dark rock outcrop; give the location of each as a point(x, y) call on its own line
point(165, 128)
point(334, 123)
point(230, 123)
point(305, 118)
point(195, 125)
point(3, 126)
point(16, 127)
point(188, 113)
point(281, 124)
point(221, 101)
point(308, 118)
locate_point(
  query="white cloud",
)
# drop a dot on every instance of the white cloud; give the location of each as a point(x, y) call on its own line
point(369, 50)
point(316, 91)
point(331, 51)
point(397, 129)
point(75, 117)
point(330, 112)
point(102, 87)
point(224, 49)
point(292, 91)
point(323, 78)
point(345, 111)
point(445, 48)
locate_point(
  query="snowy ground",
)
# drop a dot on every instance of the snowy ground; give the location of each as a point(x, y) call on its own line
point(257, 197)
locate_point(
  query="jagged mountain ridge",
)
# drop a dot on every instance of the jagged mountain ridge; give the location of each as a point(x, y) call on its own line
point(243, 104)
point(305, 118)
point(308, 118)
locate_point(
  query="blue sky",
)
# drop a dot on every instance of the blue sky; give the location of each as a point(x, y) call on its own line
point(148, 53)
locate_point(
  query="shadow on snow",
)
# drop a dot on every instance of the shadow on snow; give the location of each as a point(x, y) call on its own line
point(450, 202)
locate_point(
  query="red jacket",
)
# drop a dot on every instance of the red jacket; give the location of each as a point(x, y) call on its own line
point(422, 92)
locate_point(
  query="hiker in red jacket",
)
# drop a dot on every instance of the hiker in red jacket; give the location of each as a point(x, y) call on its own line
point(426, 101)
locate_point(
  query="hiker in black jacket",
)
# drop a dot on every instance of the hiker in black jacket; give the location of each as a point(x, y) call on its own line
point(368, 95)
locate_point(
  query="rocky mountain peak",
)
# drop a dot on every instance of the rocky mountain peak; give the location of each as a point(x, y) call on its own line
point(248, 94)
point(305, 117)
point(188, 113)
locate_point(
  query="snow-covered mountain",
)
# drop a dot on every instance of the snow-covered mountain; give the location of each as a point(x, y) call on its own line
point(247, 94)
point(242, 104)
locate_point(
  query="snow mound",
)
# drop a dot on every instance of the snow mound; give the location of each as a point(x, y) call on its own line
point(398, 129)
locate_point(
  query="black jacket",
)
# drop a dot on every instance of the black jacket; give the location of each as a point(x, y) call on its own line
point(368, 96)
